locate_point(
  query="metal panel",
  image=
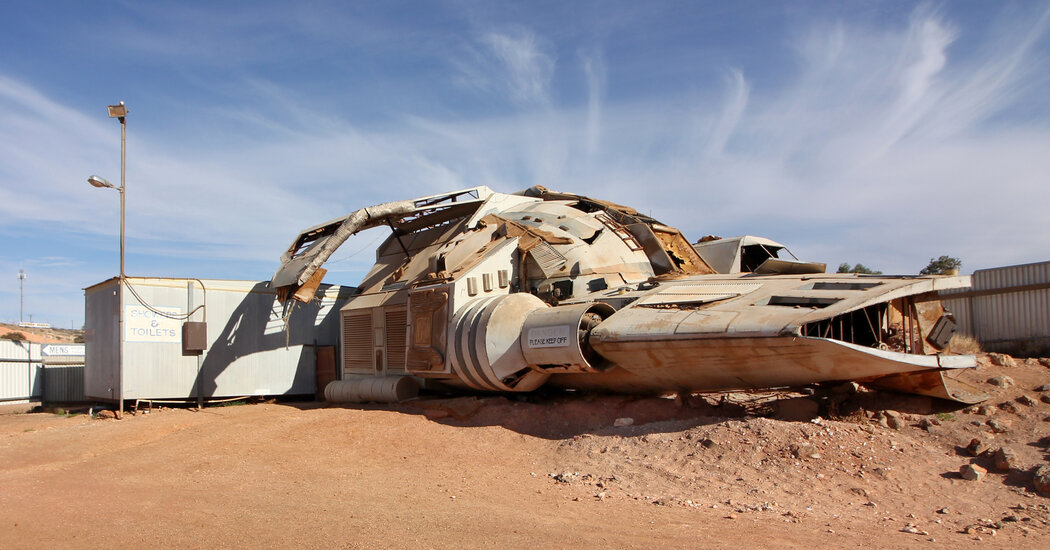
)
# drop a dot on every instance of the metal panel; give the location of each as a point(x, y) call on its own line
point(547, 258)
point(19, 351)
point(102, 346)
point(396, 338)
point(1013, 315)
point(250, 351)
point(1008, 308)
point(357, 342)
point(19, 371)
point(961, 310)
point(63, 384)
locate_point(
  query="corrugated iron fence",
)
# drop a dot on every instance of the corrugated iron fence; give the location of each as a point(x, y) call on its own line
point(28, 373)
point(1007, 310)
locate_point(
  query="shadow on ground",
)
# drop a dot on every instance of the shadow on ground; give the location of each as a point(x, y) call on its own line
point(561, 415)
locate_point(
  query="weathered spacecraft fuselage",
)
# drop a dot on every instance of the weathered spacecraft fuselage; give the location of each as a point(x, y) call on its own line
point(508, 292)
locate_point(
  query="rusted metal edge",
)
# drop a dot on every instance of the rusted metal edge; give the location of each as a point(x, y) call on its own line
point(932, 383)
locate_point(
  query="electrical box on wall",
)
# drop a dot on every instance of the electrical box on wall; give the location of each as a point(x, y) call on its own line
point(194, 336)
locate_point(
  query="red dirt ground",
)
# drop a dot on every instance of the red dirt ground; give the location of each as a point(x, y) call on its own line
point(709, 471)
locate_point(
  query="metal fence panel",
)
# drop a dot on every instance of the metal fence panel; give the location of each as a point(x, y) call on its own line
point(19, 371)
point(1013, 315)
point(961, 310)
point(1008, 308)
point(63, 384)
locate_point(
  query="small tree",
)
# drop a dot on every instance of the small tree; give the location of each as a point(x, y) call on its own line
point(859, 268)
point(14, 336)
point(942, 266)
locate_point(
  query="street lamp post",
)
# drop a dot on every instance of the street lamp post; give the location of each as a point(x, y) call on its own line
point(119, 112)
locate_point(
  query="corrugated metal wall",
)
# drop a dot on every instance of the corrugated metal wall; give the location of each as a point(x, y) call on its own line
point(19, 371)
point(1008, 308)
point(63, 384)
point(26, 374)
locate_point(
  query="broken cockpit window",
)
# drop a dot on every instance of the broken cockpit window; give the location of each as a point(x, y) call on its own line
point(750, 254)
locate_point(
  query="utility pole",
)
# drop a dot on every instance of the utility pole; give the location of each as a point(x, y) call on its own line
point(21, 297)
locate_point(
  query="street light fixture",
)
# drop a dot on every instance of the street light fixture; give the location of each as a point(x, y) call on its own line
point(103, 183)
point(119, 112)
point(100, 182)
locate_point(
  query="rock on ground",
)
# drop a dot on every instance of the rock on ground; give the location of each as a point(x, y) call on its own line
point(972, 472)
point(1005, 459)
point(1001, 360)
point(1042, 479)
point(1001, 381)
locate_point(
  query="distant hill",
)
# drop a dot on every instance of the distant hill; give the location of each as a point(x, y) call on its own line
point(42, 335)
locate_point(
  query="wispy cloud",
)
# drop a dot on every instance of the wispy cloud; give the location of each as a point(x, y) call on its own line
point(53, 262)
point(924, 55)
point(893, 151)
point(528, 68)
point(513, 63)
point(737, 92)
point(881, 143)
point(594, 72)
point(41, 146)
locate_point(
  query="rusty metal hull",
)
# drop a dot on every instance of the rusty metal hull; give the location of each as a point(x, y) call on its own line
point(507, 292)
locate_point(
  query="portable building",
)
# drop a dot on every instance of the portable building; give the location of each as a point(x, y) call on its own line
point(183, 339)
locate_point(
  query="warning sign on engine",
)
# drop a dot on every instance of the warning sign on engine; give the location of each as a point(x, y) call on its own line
point(550, 337)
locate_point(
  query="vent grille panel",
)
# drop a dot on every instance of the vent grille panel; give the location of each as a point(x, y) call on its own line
point(548, 259)
point(357, 342)
point(396, 338)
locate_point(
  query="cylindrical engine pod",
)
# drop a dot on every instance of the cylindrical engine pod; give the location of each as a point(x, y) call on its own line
point(486, 350)
point(555, 339)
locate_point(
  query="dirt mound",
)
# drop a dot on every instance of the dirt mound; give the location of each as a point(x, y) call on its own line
point(846, 454)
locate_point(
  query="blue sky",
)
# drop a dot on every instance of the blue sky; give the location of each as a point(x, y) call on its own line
point(878, 132)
